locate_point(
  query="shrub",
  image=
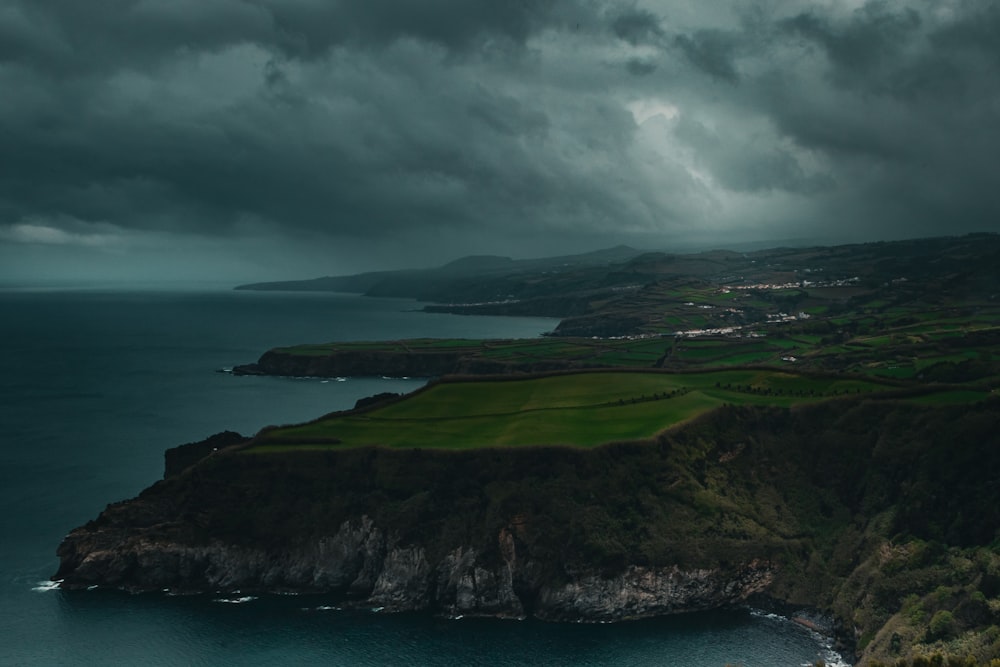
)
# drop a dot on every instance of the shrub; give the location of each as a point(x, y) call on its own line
point(942, 624)
point(913, 609)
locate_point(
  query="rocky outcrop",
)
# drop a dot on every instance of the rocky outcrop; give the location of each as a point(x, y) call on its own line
point(106, 552)
point(367, 567)
point(558, 533)
point(641, 592)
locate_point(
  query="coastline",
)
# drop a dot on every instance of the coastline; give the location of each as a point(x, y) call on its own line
point(119, 407)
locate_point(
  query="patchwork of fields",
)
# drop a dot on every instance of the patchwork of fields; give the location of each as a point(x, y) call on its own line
point(584, 409)
point(666, 338)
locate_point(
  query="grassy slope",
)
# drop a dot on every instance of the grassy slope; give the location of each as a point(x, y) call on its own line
point(585, 409)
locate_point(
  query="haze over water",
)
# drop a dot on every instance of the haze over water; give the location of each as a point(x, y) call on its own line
point(95, 384)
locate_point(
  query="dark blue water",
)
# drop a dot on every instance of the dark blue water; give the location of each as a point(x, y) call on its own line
point(95, 384)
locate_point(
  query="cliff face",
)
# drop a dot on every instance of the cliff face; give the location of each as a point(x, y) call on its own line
point(485, 532)
point(368, 567)
point(836, 505)
point(639, 592)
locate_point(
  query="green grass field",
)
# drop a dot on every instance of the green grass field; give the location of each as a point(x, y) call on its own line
point(582, 410)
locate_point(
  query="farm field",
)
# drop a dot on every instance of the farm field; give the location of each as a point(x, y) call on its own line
point(579, 409)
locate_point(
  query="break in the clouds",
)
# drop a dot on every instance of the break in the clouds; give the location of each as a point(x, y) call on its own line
point(289, 137)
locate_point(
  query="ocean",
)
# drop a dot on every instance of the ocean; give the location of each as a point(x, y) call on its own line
point(96, 382)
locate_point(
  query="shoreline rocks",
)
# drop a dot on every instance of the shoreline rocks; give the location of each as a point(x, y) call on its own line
point(365, 567)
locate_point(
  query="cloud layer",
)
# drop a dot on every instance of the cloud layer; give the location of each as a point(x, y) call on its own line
point(356, 133)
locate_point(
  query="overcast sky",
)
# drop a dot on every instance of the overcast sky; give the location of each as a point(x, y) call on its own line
point(257, 139)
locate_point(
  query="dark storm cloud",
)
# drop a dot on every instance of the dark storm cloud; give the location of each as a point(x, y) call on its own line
point(483, 125)
point(872, 35)
point(637, 26)
point(905, 121)
point(387, 138)
point(70, 36)
point(977, 30)
point(711, 51)
point(638, 67)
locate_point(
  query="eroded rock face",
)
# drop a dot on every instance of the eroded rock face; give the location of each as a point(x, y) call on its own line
point(404, 582)
point(468, 589)
point(350, 561)
point(367, 567)
point(641, 592)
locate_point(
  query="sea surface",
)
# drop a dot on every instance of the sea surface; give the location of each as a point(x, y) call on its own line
point(96, 382)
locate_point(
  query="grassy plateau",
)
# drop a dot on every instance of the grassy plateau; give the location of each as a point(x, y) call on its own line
point(575, 409)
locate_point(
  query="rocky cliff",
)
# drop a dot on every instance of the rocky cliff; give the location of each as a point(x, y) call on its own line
point(386, 539)
point(367, 566)
point(836, 506)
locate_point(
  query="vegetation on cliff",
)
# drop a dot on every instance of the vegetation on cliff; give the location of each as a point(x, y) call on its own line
point(881, 511)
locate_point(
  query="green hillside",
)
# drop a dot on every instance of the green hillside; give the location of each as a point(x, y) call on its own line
point(578, 409)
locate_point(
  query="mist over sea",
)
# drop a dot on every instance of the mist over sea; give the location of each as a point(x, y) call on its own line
point(96, 383)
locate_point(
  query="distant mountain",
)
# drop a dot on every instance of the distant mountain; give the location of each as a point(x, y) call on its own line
point(358, 283)
point(468, 279)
